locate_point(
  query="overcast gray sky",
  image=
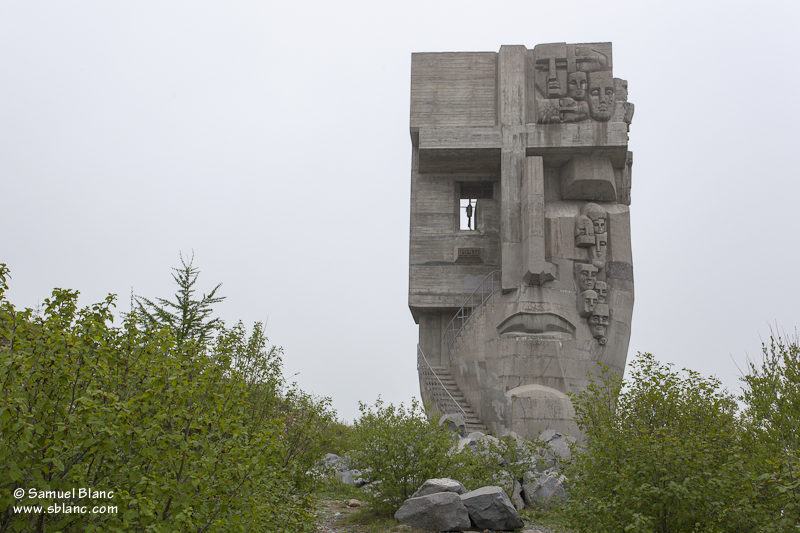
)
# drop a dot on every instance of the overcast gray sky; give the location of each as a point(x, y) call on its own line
point(273, 140)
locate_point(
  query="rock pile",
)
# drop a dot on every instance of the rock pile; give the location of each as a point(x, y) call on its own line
point(338, 467)
point(456, 510)
point(444, 504)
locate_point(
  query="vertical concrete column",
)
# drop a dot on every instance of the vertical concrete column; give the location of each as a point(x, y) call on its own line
point(536, 270)
point(430, 337)
point(511, 114)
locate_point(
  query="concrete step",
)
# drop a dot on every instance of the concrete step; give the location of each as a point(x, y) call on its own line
point(472, 422)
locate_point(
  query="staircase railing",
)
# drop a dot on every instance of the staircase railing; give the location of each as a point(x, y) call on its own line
point(442, 399)
point(484, 293)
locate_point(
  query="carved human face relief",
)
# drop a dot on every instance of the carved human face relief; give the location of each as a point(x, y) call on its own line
point(599, 321)
point(601, 288)
point(551, 70)
point(621, 87)
point(587, 300)
point(577, 85)
point(599, 225)
point(583, 226)
point(598, 251)
point(585, 59)
point(587, 276)
point(601, 95)
point(597, 215)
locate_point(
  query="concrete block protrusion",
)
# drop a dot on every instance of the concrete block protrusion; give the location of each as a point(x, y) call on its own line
point(588, 178)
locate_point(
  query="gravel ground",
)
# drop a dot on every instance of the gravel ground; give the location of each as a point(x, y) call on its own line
point(331, 513)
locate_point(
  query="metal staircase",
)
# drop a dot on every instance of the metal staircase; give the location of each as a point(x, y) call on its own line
point(483, 294)
point(447, 397)
point(438, 381)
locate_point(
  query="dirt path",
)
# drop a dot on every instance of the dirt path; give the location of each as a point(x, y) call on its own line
point(331, 513)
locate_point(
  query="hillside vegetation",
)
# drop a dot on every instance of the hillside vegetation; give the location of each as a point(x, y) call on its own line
point(174, 421)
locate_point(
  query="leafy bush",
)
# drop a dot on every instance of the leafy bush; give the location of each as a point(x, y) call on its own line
point(340, 437)
point(399, 449)
point(503, 463)
point(663, 454)
point(187, 437)
point(772, 413)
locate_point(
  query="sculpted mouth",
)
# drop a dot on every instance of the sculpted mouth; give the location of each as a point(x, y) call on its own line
point(536, 324)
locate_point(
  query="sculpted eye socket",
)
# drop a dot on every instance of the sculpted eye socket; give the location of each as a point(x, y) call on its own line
point(595, 92)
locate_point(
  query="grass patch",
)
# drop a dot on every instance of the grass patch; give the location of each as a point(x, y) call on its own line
point(372, 522)
point(333, 489)
point(550, 518)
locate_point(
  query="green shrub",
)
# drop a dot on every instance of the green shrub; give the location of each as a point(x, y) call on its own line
point(662, 454)
point(188, 437)
point(340, 437)
point(399, 449)
point(500, 463)
point(772, 413)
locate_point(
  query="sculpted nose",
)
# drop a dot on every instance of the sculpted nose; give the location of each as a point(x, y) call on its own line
point(551, 71)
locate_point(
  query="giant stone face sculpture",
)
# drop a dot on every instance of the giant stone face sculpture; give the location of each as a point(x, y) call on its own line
point(537, 291)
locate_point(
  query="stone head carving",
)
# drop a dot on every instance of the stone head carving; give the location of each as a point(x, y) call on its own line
point(550, 77)
point(621, 88)
point(599, 320)
point(597, 253)
point(571, 110)
point(601, 288)
point(577, 85)
point(601, 95)
point(587, 300)
point(584, 231)
point(587, 276)
point(597, 215)
point(585, 59)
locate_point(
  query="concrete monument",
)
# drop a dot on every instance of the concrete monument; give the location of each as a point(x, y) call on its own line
point(520, 274)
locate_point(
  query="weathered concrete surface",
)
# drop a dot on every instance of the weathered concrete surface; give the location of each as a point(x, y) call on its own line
point(543, 134)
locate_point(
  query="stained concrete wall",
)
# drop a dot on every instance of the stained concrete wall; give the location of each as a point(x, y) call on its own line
point(548, 128)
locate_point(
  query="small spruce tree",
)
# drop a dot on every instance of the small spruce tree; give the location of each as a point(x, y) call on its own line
point(187, 318)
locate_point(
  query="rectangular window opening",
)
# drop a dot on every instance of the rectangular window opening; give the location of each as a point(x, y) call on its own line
point(470, 193)
point(468, 212)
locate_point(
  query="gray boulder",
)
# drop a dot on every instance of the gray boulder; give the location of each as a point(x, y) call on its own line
point(454, 423)
point(517, 499)
point(436, 485)
point(516, 436)
point(333, 461)
point(471, 441)
point(354, 478)
point(558, 444)
point(442, 511)
point(546, 490)
point(490, 508)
